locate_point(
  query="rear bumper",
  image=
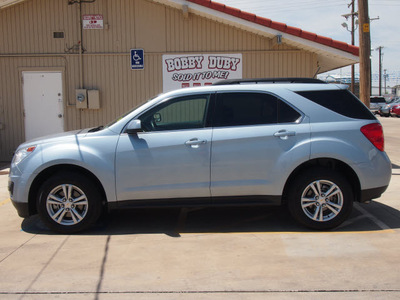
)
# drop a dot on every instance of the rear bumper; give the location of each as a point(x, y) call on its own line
point(367, 195)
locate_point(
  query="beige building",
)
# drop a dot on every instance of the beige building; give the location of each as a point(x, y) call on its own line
point(70, 64)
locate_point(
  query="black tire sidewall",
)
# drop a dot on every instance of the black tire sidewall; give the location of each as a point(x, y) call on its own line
point(300, 184)
point(87, 186)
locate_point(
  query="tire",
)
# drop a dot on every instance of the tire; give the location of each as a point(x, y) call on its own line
point(310, 205)
point(69, 202)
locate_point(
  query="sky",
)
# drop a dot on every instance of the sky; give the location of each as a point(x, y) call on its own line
point(325, 18)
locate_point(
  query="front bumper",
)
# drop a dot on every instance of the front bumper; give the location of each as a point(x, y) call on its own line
point(22, 209)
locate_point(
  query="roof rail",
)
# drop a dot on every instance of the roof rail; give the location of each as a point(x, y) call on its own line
point(268, 80)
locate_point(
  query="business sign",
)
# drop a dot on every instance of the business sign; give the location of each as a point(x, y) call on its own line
point(187, 70)
point(92, 22)
point(137, 59)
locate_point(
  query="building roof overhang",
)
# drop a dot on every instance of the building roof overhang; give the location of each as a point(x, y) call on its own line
point(331, 54)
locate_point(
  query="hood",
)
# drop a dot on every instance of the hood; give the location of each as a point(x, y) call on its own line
point(53, 138)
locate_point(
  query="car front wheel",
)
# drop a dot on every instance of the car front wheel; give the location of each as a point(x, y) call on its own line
point(69, 202)
point(320, 199)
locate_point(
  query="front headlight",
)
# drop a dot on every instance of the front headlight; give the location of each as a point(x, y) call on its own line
point(22, 154)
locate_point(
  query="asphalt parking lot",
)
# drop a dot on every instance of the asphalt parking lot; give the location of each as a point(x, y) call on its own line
point(235, 253)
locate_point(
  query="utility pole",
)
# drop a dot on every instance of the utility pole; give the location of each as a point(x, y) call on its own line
point(365, 52)
point(384, 80)
point(380, 69)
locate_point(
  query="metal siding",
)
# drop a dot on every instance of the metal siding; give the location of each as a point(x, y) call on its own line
point(120, 87)
point(28, 28)
point(26, 41)
point(150, 35)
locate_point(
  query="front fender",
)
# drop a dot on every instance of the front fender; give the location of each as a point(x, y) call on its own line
point(95, 154)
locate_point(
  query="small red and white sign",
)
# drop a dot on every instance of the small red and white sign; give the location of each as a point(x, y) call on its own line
point(92, 22)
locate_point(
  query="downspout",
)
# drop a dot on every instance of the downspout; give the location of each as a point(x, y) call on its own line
point(80, 46)
point(80, 57)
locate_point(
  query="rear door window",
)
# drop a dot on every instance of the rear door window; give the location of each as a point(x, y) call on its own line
point(241, 109)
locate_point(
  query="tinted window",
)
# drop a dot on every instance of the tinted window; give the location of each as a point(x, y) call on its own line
point(340, 101)
point(180, 113)
point(377, 100)
point(287, 114)
point(238, 109)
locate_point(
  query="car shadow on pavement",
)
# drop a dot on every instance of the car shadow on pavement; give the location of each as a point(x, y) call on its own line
point(176, 221)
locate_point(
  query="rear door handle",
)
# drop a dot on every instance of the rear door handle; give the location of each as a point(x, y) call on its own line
point(195, 142)
point(284, 134)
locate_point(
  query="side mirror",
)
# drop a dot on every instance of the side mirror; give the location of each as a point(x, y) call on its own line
point(133, 127)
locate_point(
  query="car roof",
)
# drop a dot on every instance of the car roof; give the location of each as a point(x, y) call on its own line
point(269, 80)
point(275, 87)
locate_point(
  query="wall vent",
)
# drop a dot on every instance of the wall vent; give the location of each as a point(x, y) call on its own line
point(58, 34)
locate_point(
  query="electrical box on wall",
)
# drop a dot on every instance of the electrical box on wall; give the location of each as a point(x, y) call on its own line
point(94, 99)
point(81, 98)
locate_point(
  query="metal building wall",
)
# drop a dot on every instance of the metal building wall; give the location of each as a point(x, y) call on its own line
point(27, 43)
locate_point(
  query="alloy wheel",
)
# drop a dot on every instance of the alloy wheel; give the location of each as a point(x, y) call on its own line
point(322, 200)
point(67, 204)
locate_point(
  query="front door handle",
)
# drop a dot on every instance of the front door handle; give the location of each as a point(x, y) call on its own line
point(284, 134)
point(195, 142)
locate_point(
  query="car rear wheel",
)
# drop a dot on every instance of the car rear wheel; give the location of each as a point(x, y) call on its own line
point(320, 199)
point(69, 202)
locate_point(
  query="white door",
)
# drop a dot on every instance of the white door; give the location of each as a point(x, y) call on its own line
point(43, 103)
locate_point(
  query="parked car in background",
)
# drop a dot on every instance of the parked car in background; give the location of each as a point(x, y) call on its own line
point(375, 102)
point(311, 146)
point(395, 111)
point(384, 110)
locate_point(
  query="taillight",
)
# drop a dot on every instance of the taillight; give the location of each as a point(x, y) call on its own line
point(374, 133)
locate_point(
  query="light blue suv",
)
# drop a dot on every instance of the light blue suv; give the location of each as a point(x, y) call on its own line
point(311, 146)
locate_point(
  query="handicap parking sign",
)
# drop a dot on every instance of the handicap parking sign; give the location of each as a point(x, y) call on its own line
point(137, 59)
